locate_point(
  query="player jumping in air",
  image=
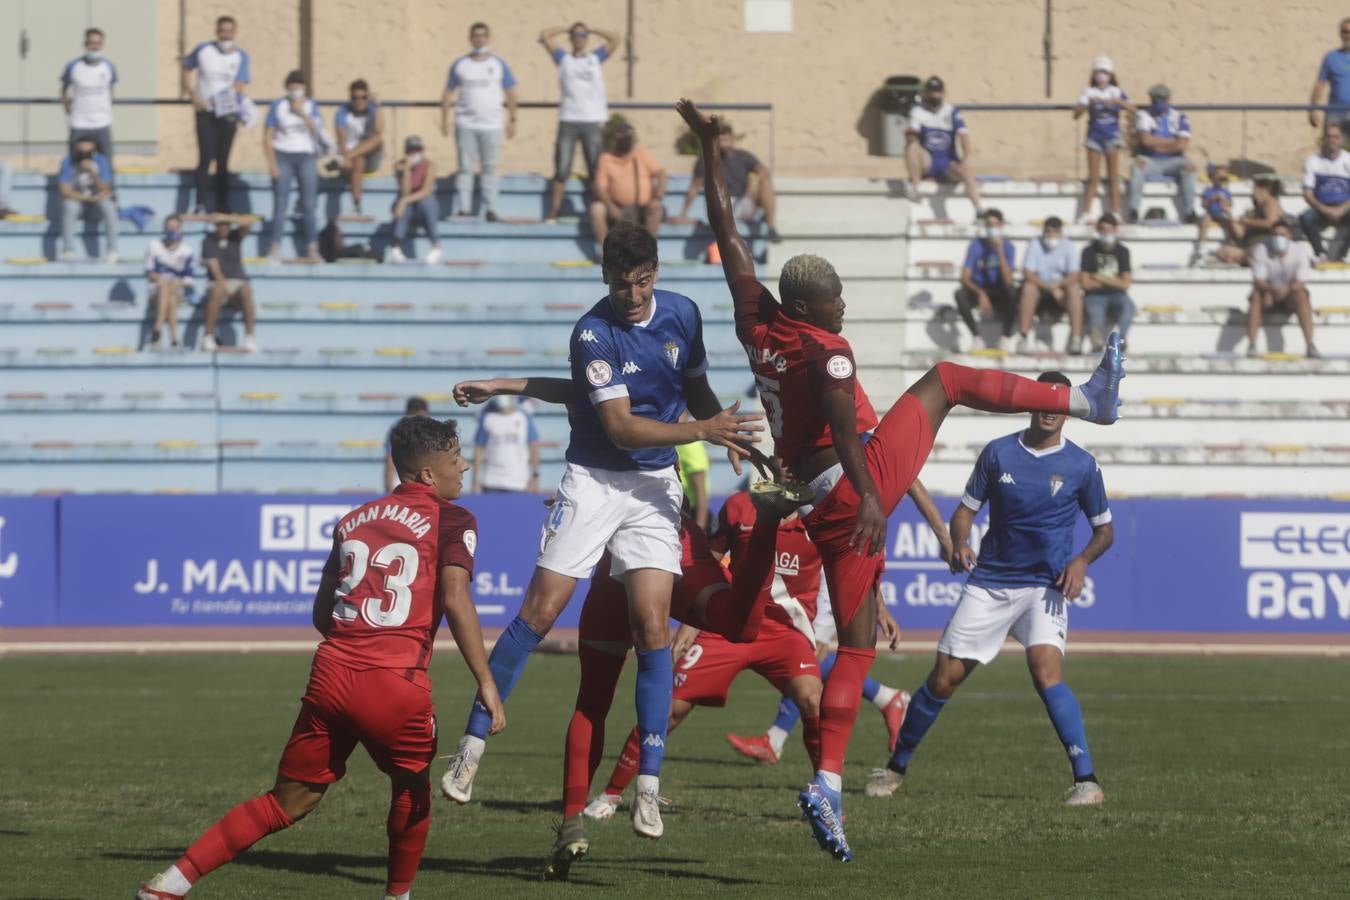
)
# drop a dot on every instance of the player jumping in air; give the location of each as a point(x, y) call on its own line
point(1035, 483)
point(397, 563)
point(637, 363)
point(818, 414)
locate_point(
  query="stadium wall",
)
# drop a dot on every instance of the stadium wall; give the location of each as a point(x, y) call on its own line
point(821, 76)
point(1178, 566)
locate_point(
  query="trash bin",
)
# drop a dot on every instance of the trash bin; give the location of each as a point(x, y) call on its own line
point(898, 94)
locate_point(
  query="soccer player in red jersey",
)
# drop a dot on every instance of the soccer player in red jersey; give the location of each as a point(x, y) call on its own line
point(397, 564)
point(818, 415)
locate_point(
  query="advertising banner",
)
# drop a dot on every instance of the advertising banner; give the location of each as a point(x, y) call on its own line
point(28, 561)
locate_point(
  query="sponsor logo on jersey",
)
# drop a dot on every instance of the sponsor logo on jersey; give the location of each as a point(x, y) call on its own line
point(673, 354)
point(598, 373)
point(588, 336)
point(839, 367)
point(631, 368)
point(788, 563)
point(766, 356)
point(470, 541)
point(1056, 482)
point(1006, 478)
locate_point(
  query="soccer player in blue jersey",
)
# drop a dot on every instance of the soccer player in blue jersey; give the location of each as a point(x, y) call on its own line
point(637, 362)
point(1035, 483)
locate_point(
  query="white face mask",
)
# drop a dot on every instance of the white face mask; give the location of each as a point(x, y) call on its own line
point(225, 46)
point(93, 55)
point(993, 232)
point(480, 51)
point(1050, 242)
point(297, 93)
point(414, 158)
point(1101, 79)
point(1106, 240)
point(1279, 243)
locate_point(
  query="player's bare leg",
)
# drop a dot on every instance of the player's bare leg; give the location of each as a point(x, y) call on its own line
point(649, 616)
point(1046, 664)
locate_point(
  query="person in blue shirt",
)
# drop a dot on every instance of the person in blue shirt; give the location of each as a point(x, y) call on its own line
point(1332, 86)
point(1164, 134)
point(637, 361)
point(1036, 483)
point(86, 185)
point(1216, 205)
point(987, 280)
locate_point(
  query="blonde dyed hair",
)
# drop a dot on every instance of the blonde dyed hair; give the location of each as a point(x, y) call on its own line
point(803, 275)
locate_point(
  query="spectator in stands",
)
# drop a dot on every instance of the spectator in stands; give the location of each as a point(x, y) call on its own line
point(168, 266)
point(293, 141)
point(1102, 100)
point(415, 406)
point(937, 144)
point(1334, 74)
point(481, 79)
point(222, 253)
point(748, 181)
point(1106, 278)
point(87, 94)
point(1256, 224)
point(694, 466)
point(1164, 133)
point(1216, 205)
point(1280, 273)
point(6, 185)
point(86, 185)
point(416, 175)
point(1050, 284)
point(222, 77)
point(360, 137)
point(987, 279)
point(583, 107)
point(505, 449)
point(1326, 187)
point(630, 185)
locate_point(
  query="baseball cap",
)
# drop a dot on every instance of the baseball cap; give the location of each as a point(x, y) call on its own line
point(1160, 91)
point(413, 142)
point(934, 84)
point(1103, 64)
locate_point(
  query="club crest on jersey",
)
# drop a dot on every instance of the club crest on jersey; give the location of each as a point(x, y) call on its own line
point(839, 367)
point(673, 354)
point(471, 541)
point(598, 373)
point(1056, 482)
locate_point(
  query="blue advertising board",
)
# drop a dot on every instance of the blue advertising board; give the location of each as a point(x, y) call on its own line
point(28, 561)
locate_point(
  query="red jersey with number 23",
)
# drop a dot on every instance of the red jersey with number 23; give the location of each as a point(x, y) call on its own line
point(388, 555)
point(794, 364)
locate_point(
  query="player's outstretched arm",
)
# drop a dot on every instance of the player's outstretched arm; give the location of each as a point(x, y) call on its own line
point(548, 390)
point(736, 258)
point(869, 531)
point(928, 509)
point(462, 617)
point(729, 428)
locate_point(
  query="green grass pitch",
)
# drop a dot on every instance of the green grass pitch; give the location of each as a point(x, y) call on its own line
point(1224, 778)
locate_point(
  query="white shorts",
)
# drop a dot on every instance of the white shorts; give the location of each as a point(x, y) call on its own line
point(985, 617)
point(635, 515)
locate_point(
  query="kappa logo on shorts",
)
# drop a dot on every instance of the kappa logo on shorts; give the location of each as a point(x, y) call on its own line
point(598, 373)
point(471, 541)
point(839, 367)
point(673, 354)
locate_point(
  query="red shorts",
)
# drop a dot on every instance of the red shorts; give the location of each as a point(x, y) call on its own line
point(391, 717)
point(896, 453)
point(604, 615)
point(704, 674)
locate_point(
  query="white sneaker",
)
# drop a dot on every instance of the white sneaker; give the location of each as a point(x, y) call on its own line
point(250, 345)
point(602, 807)
point(647, 814)
point(208, 344)
point(1023, 345)
point(1085, 793)
point(961, 341)
point(157, 889)
point(394, 255)
point(883, 783)
point(457, 782)
point(111, 257)
point(433, 256)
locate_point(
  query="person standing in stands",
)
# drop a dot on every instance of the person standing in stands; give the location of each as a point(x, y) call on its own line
point(222, 77)
point(505, 449)
point(87, 94)
point(478, 84)
point(292, 143)
point(1333, 82)
point(1102, 100)
point(583, 109)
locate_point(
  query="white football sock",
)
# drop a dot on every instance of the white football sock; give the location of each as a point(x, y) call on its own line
point(175, 882)
point(1078, 402)
point(884, 696)
point(833, 780)
point(474, 746)
point(777, 738)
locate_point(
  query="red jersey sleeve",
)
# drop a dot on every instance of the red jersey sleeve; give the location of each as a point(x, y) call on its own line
point(829, 364)
point(458, 539)
point(754, 304)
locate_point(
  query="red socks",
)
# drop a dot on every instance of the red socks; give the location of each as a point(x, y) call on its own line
point(626, 769)
point(407, 825)
point(586, 732)
point(839, 705)
point(811, 738)
point(993, 390)
point(739, 617)
point(239, 829)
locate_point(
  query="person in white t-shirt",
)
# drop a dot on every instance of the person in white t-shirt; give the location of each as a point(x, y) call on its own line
point(293, 141)
point(937, 144)
point(222, 77)
point(477, 86)
point(583, 107)
point(87, 94)
point(505, 449)
point(1326, 188)
point(168, 266)
point(1280, 273)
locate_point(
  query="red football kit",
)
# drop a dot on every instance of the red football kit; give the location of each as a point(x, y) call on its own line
point(369, 680)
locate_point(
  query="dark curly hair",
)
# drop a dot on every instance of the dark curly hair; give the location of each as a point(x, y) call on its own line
point(629, 247)
point(415, 438)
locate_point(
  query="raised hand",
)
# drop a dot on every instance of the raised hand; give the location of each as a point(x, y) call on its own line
point(703, 127)
point(733, 429)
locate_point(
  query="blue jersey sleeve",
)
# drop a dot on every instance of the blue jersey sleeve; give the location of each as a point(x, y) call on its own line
point(191, 61)
point(480, 437)
point(559, 54)
point(531, 431)
point(272, 114)
point(113, 70)
point(974, 253)
point(596, 358)
point(1011, 252)
point(508, 78)
point(452, 80)
point(1183, 126)
point(105, 172)
point(65, 73)
point(243, 76)
point(67, 173)
point(958, 122)
point(977, 488)
point(1092, 497)
point(340, 120)
point(602, 53)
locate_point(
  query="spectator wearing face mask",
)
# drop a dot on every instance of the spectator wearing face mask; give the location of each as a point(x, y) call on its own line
point(359, 126)
point(86, 185)
point(416, 175)
point(1107, 277)
point(1280, 273)
point(1333, 82)
point(87, 94)
point(937, 143)
point(1326, 187)
point(1256, 223)
point(1050, 284)
point(1164, 134)
point(583, 108)
point(505, 449)
point(168, 267)
point(222, 72)
point(293, 140)
point(630, 185)
point(477, 85)
point(987, 279)
point(1102, 100)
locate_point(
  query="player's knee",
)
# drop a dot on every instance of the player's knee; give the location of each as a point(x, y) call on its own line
point(297, 800)
point(1045, 677)
point(651, 635)
point(808, 700)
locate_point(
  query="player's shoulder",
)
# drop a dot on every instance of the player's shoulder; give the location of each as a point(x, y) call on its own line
point(818, 341)
point(1081, 455)
point(674, 303)
point(599, 316)
point(457, 524)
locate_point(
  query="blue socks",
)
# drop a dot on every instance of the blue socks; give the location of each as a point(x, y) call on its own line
point(506, 662)
point(1067, 718)
point(655, 682)
point(922, 713)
